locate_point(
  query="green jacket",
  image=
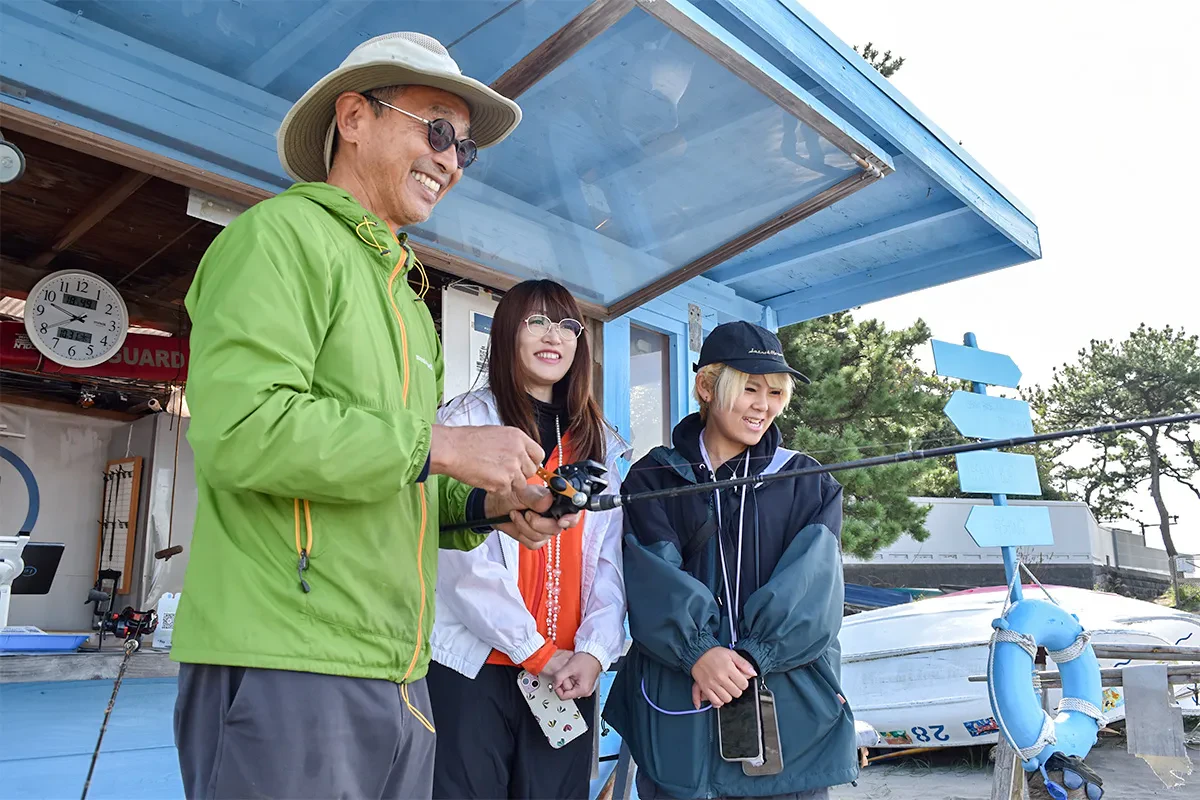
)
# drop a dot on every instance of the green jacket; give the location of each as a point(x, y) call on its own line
point(314, 381)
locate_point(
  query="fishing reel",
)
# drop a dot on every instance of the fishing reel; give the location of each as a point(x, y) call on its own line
point(573, 487)
point(130, 625)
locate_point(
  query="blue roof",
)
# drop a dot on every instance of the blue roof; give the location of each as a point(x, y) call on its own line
point(638, 162)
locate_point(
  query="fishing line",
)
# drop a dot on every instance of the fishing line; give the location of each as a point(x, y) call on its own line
point(607, 502)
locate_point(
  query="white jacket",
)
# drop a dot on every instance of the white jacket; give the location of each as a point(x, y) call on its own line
point(478, 605)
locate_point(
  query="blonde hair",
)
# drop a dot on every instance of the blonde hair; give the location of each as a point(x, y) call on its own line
point(727, 385)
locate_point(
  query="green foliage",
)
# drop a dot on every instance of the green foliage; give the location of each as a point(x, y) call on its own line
point(1152, 373)
point(868, 398)
point(1189, 598)
point(886, 65)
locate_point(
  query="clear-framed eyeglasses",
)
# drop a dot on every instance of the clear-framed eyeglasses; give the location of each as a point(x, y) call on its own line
point(539, 325)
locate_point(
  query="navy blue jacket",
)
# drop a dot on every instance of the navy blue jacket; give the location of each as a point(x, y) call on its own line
point(791, 612)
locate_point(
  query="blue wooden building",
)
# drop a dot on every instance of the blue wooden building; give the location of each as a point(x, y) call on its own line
point(680, 163)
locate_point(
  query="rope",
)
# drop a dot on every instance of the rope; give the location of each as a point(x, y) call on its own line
point(1022, 640)
point(1045, 737)
point(1071, 651)
point(1021, 566)
point(1082, 707)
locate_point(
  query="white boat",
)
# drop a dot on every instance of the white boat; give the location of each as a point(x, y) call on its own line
point(905, 667)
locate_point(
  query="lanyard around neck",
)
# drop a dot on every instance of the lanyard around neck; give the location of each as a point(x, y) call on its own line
point(733, 599)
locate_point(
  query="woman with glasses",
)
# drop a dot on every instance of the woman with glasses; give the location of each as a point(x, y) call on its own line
point(505, 613)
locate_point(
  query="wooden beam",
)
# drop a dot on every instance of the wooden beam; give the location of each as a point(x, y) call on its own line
point(86, 666)
point(1051, 679)
point(93, 144)
point(16, 399)
point(744, 242)
point(91, 214)
point(568, 40)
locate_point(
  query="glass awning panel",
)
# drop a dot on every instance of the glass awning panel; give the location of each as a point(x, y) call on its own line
point(637, 156)
point(653, 152)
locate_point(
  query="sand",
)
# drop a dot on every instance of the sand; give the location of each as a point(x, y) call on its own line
point(953, 776)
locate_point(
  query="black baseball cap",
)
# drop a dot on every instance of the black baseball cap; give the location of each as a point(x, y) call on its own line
point(745, 347)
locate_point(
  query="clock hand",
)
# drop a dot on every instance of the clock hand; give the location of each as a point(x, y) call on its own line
point(69, 314)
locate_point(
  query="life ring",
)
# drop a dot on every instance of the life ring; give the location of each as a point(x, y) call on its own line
point(1035, 735)
point(31, 486)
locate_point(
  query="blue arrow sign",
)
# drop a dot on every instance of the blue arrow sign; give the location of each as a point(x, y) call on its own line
point(973, 364)
point(990, 472)
point(1010, 526)
point(985, 417)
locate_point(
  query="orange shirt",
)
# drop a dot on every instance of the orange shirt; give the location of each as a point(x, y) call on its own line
point(532, 583)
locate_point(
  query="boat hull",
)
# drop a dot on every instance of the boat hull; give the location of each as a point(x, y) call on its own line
point(905, 669)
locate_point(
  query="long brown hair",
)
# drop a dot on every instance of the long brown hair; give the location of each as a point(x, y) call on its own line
point(506, 373)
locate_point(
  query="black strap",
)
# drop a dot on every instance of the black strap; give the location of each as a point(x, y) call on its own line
point(699, 539)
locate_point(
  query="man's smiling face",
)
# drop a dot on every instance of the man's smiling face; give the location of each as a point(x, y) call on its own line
point(403, 174)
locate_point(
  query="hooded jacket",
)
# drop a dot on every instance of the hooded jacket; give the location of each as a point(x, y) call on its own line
point(314, 382)
point(790, 603)
point(479, 604)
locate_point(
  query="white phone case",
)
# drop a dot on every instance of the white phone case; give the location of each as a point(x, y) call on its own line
point(560, 720)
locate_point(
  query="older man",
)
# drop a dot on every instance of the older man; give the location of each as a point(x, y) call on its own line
point(303, 630)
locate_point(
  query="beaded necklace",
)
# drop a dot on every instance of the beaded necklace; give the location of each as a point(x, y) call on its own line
point(553, 560)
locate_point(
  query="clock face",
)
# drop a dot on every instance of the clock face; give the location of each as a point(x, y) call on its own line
point(76, 319)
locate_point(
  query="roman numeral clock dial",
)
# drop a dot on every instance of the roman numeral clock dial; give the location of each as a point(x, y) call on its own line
point(76, 318)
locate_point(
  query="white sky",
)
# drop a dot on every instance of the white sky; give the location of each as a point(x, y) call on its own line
point(1087, 113)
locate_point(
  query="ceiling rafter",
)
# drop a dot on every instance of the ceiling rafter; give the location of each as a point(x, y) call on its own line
point(120, 191)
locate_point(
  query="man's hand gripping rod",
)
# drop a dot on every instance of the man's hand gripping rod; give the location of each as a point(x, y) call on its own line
point(578, 487)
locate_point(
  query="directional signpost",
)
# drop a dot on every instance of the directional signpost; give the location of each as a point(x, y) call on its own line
point(978, 415)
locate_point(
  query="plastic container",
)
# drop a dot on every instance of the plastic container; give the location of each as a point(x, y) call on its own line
point(166, 621)
point(28, 639)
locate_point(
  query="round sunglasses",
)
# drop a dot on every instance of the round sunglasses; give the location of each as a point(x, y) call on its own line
point(539, 325)
point(441, 134)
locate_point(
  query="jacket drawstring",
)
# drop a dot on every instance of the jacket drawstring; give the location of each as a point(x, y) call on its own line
point(303, 552)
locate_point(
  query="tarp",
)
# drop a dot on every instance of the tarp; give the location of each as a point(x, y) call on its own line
point(861, 596)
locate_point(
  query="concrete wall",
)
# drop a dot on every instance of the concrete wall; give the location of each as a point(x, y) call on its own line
point(1077, 537)
point(1131, 583)
point(66, 453)
point(1133, 553)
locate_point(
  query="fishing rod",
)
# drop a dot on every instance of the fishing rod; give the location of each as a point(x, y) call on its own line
point(577, 487)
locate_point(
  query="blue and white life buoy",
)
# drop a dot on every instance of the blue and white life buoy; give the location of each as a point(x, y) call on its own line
point(1035, 735)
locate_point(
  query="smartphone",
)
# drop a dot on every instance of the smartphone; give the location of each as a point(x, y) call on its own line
point(559, 720)
point(739, 726)
point(772, 761)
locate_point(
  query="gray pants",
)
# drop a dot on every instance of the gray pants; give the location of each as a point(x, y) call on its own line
point(648, 790)
point(258, 733)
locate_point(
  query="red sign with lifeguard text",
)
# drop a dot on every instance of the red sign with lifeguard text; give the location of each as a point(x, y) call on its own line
point(156, 359)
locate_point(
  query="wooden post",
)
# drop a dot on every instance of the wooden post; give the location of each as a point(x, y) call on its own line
point(1008, 778)
point(1154, 723)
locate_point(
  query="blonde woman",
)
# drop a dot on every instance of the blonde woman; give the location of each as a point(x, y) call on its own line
point(734, 596)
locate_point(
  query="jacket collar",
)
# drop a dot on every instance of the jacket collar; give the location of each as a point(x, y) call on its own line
point(686, 454)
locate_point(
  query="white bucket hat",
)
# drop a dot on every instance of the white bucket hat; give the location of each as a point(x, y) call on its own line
point(305, 137)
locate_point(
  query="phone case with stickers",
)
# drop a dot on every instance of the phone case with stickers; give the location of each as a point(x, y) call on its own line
point(559, 720)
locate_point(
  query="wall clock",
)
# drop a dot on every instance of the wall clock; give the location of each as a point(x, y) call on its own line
point(76, 318)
